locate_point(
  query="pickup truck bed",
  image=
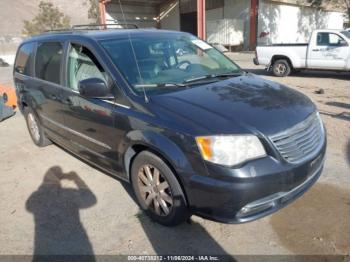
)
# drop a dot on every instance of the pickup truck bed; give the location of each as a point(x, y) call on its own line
point(289, 44)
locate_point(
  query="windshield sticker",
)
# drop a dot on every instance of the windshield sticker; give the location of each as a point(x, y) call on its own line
point(201, 44)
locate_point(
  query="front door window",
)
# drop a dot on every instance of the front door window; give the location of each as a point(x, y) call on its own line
point(82, 64)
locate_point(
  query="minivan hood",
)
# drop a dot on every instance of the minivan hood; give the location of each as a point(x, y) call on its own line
point(245, 104)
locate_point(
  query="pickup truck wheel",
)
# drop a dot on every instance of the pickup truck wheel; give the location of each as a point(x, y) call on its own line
point(157, 190)
point(281, 68)
point(35, 128)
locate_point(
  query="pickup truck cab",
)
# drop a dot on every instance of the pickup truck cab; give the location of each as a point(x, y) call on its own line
point(326, 50)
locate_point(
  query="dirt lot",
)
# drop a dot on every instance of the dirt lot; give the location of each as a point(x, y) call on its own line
point(38, 215)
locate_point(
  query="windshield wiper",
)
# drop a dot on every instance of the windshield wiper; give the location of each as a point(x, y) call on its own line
point(233, 74)
point(159, 85)
point(185, 83)
point(230, 74)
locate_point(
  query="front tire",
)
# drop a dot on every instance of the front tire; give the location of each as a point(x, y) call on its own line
point(157, 190)
point(35, 128)
point(281, 68)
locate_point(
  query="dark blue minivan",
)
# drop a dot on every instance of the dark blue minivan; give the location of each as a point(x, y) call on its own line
point(191, 131)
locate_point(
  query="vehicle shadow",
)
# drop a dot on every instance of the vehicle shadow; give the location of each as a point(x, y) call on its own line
point(348, 153)
point(341, 116)
point(189, 238)
point(258, 71)
point(55, 207)
point(338, 104)
point(194, 239)
point(318, 223)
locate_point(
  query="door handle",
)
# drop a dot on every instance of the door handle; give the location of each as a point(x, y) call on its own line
point(68, 101)
point(316, 50)
point(53, 96)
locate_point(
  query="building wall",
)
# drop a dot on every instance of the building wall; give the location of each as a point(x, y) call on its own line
point(214, 14)
point(227, 32)
point(142, 16)
point(189, 6)
point(239, 10)
point(293, 24)
point(229, 25)
point(282, 21)
point(338, 6)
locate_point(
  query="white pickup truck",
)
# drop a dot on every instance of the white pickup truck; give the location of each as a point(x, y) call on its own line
point(326, 50)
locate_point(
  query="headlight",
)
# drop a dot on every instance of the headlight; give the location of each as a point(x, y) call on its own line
point(230, 150)
point(321, 122)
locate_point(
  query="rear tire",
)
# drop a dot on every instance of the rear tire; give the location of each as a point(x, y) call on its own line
point(35, 128)
point(281, 68)
point(157, 190)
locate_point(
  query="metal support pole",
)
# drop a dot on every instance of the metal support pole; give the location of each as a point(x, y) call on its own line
point(254, 5)
point(102, 9)
point(201, 19)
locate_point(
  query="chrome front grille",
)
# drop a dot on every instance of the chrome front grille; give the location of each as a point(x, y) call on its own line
point(302, 141)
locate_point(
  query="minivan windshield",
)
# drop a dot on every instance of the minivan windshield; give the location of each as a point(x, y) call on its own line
point(168, 62)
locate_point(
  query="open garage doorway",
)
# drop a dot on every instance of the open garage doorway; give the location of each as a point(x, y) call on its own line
point(188, 22)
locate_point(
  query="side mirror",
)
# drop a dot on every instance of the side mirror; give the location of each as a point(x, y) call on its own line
point(93, 88)
point(343, 43)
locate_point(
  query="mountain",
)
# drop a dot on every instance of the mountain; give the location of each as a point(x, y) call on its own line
point(13, 12)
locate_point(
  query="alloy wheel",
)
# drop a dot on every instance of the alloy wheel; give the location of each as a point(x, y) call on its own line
point(33, 127)
point(155, 190)
point(281, 69)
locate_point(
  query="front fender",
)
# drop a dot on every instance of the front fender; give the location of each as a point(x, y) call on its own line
point(160, 144)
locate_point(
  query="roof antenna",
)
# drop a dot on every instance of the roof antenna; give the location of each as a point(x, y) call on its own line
point(134, 54)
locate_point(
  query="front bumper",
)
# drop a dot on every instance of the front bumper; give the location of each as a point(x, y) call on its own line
point(255, 190)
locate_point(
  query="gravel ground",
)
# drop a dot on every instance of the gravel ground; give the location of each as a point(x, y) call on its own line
point(93, 213)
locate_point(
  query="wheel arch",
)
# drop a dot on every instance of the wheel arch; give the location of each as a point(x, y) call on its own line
point(162, 147)
point(28, 101)
point(24, 100)
point(22, 105)
point(281, 57)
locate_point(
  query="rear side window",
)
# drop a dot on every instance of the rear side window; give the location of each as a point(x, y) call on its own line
point(48, 61)
point(24, 59)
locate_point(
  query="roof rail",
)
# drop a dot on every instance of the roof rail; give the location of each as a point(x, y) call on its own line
point(57, 30)
point(94, 27)
point(105, 26)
